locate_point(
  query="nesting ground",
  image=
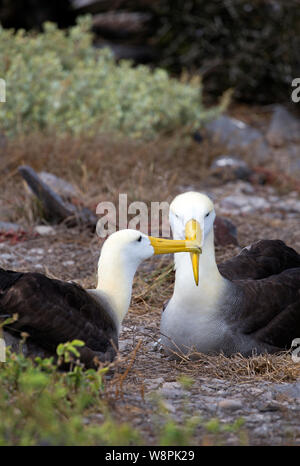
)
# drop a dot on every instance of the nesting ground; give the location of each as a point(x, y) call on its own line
point(259, 395)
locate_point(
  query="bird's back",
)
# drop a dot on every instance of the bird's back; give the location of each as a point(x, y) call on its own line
point(52, 311)
point(260, 260)
point(266, 293)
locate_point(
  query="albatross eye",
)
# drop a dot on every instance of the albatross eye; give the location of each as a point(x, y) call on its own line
point(207, 214)
point(139, 238)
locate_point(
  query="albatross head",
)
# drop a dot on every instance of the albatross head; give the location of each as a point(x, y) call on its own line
point(120, 257)
point(133, 246)
point(192, 217)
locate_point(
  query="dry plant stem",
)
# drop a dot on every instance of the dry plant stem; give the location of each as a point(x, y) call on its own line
point(123, 376)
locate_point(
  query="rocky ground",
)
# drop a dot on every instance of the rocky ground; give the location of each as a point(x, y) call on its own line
point(233, 401)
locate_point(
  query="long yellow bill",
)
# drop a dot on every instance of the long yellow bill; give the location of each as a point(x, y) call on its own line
point(193, 232)
point(165, 246)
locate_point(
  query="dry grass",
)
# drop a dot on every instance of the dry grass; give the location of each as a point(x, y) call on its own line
point(103, 166)
point(238, 369)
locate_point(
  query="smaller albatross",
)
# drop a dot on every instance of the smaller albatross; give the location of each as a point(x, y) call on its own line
point(53, 311)
point(249, 304)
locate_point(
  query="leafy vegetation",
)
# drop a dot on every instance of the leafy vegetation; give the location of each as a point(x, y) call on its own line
point(57, 80)
point(40, 405)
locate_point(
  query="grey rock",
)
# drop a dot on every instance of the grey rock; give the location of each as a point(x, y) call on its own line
point(38, 266)
point(172, 390)
point(68, 263)
point(289, 205)
point(59, 185)
point(53, 204)
point(244, 187)
point(269, 406)
point(169, 407)
point(262, 431)
point(291, 390)
point(155, 346)
point(125, 344)
point(7, 257)
point(55, 207)
point(154, 383)
point(228, 168)
point(242, 203)
point(44, 230)
point(225, 231)
point(287, 159)
point(284, 128)
point(8, 226)
point(236, 135)
point(230, 404)
point(38, 251)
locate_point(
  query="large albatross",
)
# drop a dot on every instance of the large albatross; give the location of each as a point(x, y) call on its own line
point(52, 311)
point(248, 304)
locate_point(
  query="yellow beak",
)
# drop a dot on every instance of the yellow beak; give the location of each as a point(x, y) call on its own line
point(167, 246)
point(193, 232)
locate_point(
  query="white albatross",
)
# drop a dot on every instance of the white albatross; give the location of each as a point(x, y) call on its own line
point(53, 311)
point(249, 304)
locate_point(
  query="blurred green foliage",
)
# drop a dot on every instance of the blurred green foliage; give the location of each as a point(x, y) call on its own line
point(251, 46)
point(40, 405)
point(58, 80)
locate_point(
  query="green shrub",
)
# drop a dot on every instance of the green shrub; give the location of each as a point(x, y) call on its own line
point(41, 406)
point(58, 80)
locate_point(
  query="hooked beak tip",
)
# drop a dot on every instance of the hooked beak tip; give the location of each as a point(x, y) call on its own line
point(193, 231)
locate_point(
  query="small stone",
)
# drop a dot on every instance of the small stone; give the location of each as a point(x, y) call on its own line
point(44, 230)
point(154, 383)
point(59, 185)
point(269, 407)
point(38, 251)
point(68, 263)
point(284, 128)
point(8, 226)
point(262, 431)
point(172, 390)
point(243, 203)
point(230, 404)
point(7, 257)
point(228, 168)
point(289, 205)
point(236, 135)
point(291, 390)
point(169, 407)
point(125, 344)
point(225, 231)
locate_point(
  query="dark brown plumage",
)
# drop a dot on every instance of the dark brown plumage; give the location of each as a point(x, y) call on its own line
point(266, 279)
point(52, 311)
point(260, 260)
